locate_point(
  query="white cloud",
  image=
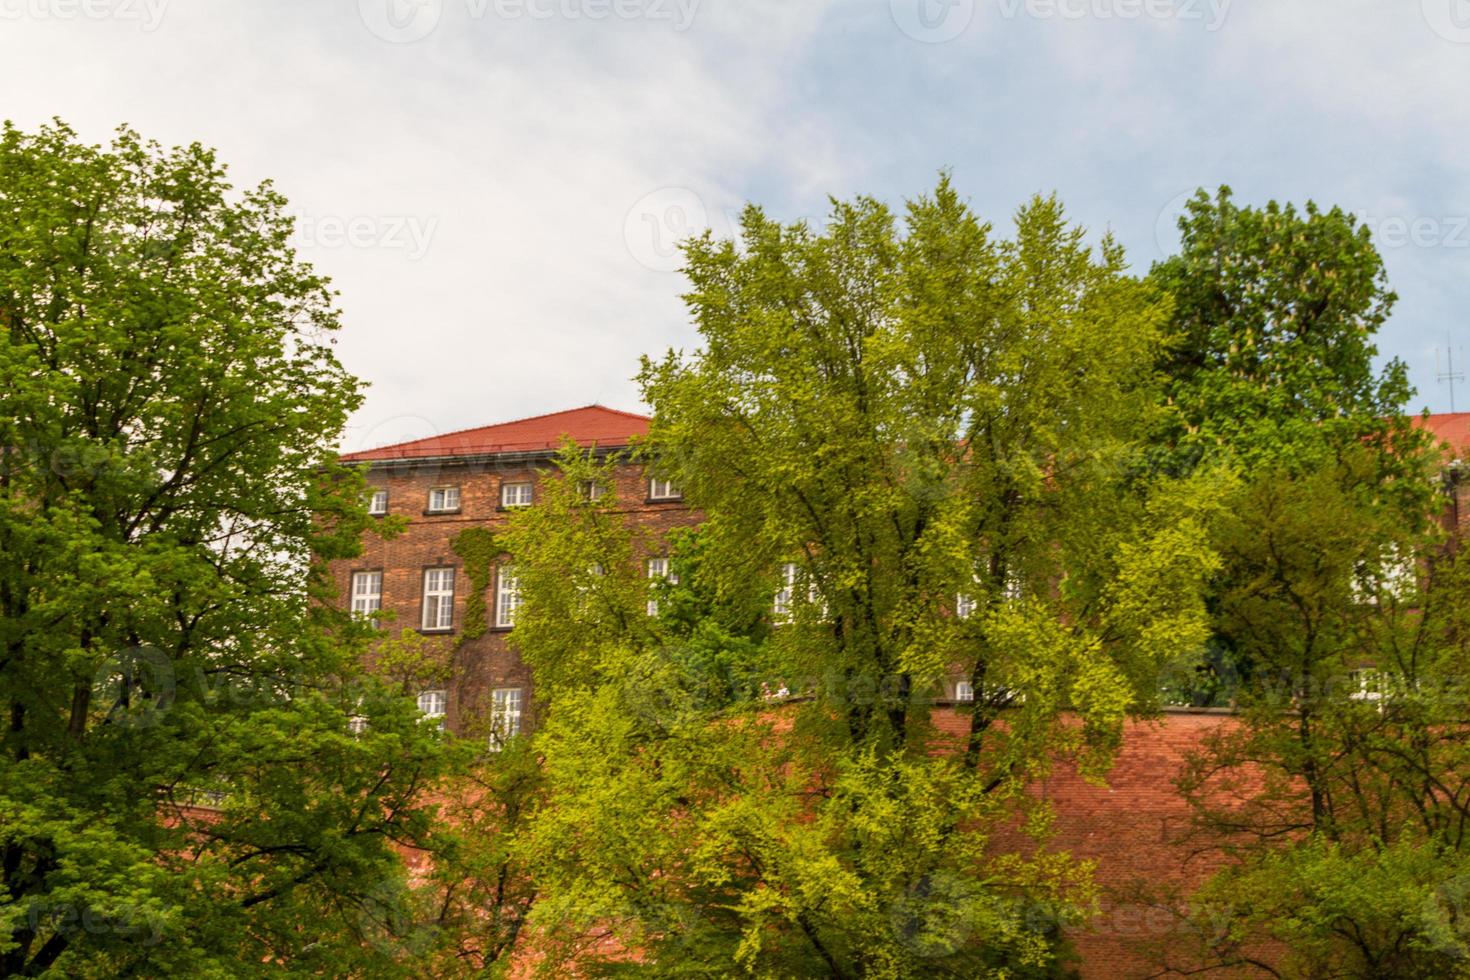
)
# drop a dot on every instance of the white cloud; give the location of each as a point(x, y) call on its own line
point(510, 150)
point(468, 192)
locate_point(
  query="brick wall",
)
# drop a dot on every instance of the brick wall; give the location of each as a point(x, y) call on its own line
point(1134, 829)
point(487, 662)
point(1131, 827)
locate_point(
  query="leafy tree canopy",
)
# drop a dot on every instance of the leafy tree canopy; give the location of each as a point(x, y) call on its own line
point(915, 447)
point(1275, 312)
point(179, 790)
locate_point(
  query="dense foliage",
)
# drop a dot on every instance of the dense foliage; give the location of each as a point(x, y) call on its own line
point(1339, 799)
point(886, 421)
point(924, 455)
point(179, 790)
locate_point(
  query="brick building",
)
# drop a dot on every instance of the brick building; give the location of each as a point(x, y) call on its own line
point(1132, 827)
point(1452, 429)
point(472, 478)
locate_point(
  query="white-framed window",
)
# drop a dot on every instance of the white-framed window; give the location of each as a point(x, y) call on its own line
point(515, 495)
point(367, 594)
point(434, 704)
point(658, 570)
point(438, 598)
point(663, 490)
point(505, 715)
point(586, 583)
point(591, 490)
point(1393, 577)
point(1012, 588)
point(443, 499)
point(964, 691)
point(507, 596)
point(1367, 684)
point(1399, 572)
point(781, 604)
point(378, 503)
point(357, 724)
point(964, 606)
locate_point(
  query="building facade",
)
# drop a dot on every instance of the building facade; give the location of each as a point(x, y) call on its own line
point(475, 478)
point(1134, 827)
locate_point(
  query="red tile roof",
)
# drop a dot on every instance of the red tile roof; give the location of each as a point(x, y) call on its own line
point(608, 427)
point(1452, 428)
point(587, 426)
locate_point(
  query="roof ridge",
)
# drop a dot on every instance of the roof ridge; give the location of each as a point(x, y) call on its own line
point(608, 408)
point(493, 425)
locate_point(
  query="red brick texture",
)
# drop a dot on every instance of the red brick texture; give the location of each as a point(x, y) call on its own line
point(410, 471)
point(1132, 827)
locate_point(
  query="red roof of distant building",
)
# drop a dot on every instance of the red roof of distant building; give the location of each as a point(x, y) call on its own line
point(588, 426)
point(608, 427)
point(1451, 428)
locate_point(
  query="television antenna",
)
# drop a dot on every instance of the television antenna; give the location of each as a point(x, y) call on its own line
point(1449, 374)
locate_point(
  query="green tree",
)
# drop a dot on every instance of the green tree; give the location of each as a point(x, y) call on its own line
point(180, 793)
point(1270, 372)
point(1340, 798)
point(916, 453)
point(1272, 331)
point(1337, 798)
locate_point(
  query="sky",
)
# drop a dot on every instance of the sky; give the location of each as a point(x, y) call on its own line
point(495, 186)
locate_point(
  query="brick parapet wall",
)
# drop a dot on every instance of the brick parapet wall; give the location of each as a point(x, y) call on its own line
point(1130, 827)
point(1134, 827)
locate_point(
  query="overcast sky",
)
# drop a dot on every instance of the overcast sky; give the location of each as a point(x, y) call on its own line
point(494, 185)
